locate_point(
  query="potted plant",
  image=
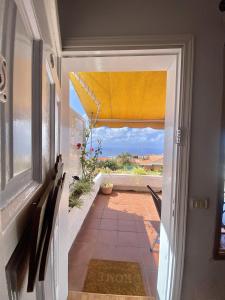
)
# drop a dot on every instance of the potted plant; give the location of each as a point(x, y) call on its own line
point(106, 188)
point(77, 189)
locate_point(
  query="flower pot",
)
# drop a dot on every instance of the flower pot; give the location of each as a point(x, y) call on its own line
point(107, 190)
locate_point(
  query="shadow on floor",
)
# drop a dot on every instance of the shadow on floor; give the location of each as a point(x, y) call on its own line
point(119, 227)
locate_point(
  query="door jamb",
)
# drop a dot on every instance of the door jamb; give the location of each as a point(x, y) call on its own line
point(97, 47)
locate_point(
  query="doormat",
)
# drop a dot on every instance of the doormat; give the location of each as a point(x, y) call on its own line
point(114, 277)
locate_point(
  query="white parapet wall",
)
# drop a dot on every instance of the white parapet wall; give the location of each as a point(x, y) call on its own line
point(138, 183)
point(76, 216)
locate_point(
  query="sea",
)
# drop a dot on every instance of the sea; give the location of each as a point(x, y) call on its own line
point(114, 151)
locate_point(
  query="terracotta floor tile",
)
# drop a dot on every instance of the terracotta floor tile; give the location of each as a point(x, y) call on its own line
point(147, 283)
point(152, 281)
point(140, 225)
point(107, 237)
point(155, 255)
point(140, 210)
point(108, 224)
point(113, 206)
point(127, 239)
point(142, 240)
point(151, 233)
point(127, 216)
point(96, 213)
point(109, 214)
point(124, 225)
point(77, 277)
point(123, 208)
point(153, 217)
point(103, 251)
point(155, 225)
point(92, 223)
point(146, 216)
point(99, 205)
point(101, 201)
point(147, 260)
point(115, 200)
point(81, 253)
point(119, 227)
point(127, 253)
point(88, 235)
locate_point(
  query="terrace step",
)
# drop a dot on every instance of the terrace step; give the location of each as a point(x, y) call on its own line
point(92, 296)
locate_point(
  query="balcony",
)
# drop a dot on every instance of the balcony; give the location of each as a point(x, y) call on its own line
point(118, 227)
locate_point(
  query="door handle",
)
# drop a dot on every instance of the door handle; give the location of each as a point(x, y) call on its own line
point(3, 79)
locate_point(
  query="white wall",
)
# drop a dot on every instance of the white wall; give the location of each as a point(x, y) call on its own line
point(76, 216)
point(76, 132)
point(203, 276)
point(137, 183)
point(71, 132)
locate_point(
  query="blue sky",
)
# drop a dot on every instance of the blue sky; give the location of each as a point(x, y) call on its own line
point(116, 140)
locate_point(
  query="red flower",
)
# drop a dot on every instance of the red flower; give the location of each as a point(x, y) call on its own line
point(92, 149)
point(78, 146)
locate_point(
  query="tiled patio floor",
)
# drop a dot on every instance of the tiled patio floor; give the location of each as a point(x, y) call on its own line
point(118, 227)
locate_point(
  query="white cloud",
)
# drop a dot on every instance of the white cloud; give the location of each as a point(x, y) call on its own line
point(136, 137)
point(157, 138)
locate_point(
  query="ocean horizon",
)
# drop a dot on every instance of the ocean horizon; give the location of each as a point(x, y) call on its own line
point(114, 151)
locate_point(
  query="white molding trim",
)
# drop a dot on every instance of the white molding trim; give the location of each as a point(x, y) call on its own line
point(183, 166)
point(182, 47)
point(53, 76)
point(79, 45)
point(51, 9)
point(28, 12)
point(12, 209)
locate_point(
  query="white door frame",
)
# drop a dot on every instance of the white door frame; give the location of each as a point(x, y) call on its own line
point(171, 262)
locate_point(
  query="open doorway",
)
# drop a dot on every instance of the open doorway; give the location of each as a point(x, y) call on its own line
point(124, 225)
point(171, 254)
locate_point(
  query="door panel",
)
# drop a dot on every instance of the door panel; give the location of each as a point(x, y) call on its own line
point(171, 155)
point(16, 136)
point(2, 6)
point(22, 98)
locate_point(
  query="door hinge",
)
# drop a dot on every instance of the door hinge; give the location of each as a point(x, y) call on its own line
point(3, 79)
point(179, 136)
point(173, 207)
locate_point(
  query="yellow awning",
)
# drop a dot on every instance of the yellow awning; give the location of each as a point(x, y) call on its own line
point(123, 99)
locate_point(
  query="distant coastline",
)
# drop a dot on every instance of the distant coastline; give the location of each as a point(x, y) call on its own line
point(112, 152)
